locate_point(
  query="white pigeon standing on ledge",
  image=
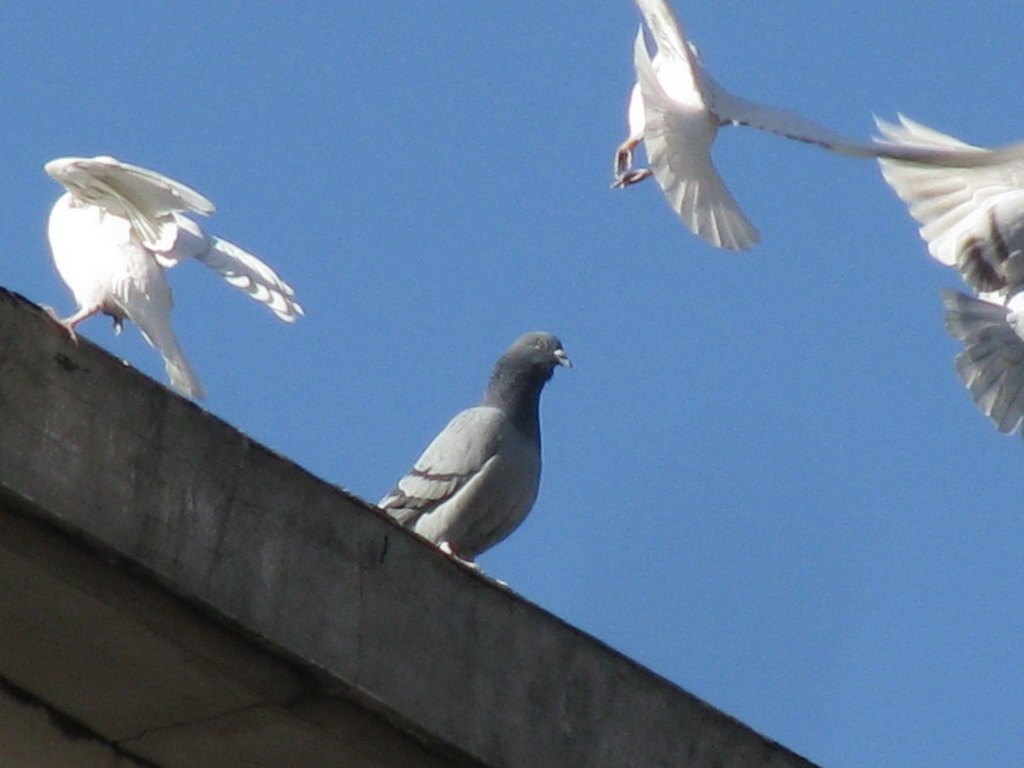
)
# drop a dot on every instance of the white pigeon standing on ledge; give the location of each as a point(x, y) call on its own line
point(114, 232)
point(676, 109)
point(478, 479)
point(972, 219)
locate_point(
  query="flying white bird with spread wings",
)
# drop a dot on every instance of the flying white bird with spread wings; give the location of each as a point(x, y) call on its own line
point(115, 231)
point(972, 219)
point(676, 109)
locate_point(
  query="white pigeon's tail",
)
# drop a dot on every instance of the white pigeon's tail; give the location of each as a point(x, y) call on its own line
point(992, 363)
point(706, 206)
point(158, 332)
point(246, 272)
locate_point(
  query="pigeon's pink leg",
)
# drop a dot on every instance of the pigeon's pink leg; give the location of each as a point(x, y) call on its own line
point(624, 176)
point(69, 323)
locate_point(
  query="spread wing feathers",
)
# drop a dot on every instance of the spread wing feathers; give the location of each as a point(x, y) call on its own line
point(462, 451)
point(148, 189)
point(666, 28)
point(971, 218)
point(247, 273)
point(992, 363)
point(239, 267)
point(685, 79)
point(678, 153)
point(149, 308)
point(733, 109)
point(144, 197)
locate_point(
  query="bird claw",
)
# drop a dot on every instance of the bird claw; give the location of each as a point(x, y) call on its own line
point(623, 168)
point(623, 160)
point(625, 179)
point(67, 326)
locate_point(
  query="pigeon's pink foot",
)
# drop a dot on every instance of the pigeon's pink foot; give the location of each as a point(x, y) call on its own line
point(623, 169)
point(69, 323)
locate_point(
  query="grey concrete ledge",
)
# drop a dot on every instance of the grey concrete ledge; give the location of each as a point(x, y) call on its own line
point(272, 602)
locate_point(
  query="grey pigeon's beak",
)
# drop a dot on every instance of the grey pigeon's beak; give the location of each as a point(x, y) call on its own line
point(562, 358)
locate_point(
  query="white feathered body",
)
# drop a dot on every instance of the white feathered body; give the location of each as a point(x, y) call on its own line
point(99, 260)
point(117, 228)
point(107, 269)
point(669, 109)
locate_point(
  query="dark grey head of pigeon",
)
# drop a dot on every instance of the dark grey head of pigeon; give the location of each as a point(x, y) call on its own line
point(521, 374)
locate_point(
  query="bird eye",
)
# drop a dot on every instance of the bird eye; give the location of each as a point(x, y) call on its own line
point(541, 344)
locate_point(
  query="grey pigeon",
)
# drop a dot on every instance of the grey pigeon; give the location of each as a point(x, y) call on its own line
point(478, 479)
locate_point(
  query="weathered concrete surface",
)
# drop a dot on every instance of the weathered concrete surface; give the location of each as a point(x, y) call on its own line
point(185, 597)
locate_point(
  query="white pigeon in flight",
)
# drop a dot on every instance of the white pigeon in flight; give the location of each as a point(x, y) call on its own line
point(478, 479)
point(676, 109)
point(972, 219)
point(114, 232)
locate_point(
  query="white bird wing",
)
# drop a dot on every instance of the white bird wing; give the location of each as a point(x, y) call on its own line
point(146, 198)
point(237, 266)
point(461, 452)
point(148, 189)
point(678, 141)
point(972, 218)
point(733, 109)
point(992, 363)
point(677, 60)
point(687, 75)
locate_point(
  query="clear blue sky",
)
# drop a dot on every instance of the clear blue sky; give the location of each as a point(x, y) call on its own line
point(762, 479)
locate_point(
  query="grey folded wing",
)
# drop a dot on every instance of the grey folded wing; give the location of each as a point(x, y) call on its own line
point(459, 453)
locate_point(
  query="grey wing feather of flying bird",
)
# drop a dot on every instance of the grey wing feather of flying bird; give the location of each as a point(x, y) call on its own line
point(991, 365)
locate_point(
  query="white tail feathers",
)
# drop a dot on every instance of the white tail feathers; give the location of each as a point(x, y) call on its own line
point(709, 210)
point(161, 337)
point(247, 273)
